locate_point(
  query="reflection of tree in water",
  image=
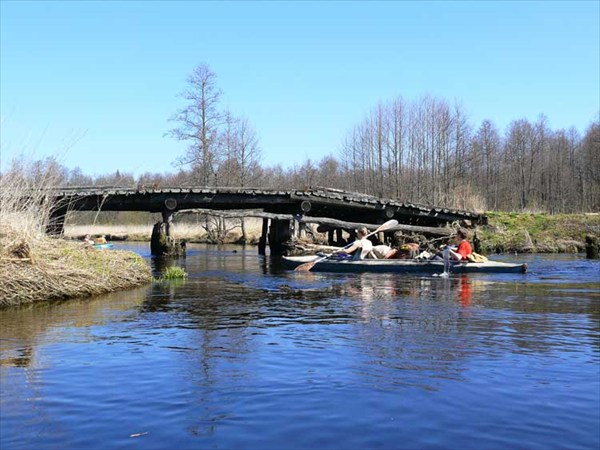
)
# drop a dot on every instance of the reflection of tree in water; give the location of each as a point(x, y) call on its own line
point(21, 329)
point(210, 321)
point(24, 330)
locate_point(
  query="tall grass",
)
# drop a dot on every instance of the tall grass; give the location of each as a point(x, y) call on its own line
point(34, 267)
point(25, 209)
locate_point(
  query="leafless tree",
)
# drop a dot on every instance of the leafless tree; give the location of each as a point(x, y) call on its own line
point(199, 122)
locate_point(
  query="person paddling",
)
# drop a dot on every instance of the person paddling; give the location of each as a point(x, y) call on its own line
point(464, 247)
point(361, 247)
point(459, 253)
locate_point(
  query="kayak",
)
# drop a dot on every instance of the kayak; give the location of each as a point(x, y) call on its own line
point(402, 265)
point(107, 245)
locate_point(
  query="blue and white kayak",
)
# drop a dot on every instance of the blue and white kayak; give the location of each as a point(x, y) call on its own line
point(107, 245)
point(402, 265)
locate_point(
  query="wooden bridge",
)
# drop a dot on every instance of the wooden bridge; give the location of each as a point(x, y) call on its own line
point(319, 202)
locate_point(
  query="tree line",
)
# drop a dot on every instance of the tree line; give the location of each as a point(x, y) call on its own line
point(421, 151)
point(427, 151)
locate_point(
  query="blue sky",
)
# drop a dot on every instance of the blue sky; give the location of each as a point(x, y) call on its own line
point(94, 83)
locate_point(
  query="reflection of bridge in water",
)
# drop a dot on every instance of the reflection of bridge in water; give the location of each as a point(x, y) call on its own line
point(320, 202)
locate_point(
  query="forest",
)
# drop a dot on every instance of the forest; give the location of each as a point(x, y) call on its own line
point(421, 151)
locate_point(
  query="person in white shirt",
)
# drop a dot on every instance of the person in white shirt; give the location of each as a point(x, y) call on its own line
point(361, 247)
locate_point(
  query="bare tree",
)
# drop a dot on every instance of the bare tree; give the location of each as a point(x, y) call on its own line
point(485, 162)
point(199, 123)
point(590, 161)
point(248, 153)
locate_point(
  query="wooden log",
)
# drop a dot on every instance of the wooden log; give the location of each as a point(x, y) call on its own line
point(325, 222)
point(161, 244)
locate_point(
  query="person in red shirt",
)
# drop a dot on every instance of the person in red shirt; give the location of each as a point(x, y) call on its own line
point(464, 247)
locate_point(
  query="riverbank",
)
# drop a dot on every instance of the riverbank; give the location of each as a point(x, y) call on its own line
point(505, 232)
point(189, 232)
point(537, 233)
point(37, 268)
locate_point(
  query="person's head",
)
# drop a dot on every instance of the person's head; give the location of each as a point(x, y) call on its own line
point(87, 237)
point(461, 234)
point(362, 232)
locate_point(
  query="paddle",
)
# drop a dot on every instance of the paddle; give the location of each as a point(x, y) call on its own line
point(446, 262)
point(309, 265)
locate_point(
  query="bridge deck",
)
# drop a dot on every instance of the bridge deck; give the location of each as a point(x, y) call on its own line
point(323, 202)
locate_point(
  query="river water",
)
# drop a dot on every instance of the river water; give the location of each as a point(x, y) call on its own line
point(246, 355)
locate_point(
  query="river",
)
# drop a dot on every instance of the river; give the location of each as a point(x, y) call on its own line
point(245, 355)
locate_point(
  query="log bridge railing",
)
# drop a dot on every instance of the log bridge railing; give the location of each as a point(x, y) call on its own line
point(333, 209)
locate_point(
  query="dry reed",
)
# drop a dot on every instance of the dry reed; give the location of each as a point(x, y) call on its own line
point(35, 267)
point(181, 230)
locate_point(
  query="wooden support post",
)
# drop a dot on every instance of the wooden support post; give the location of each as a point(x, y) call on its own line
point(330, 237)
point(339, 238)
point(158, 240)
point(279, 233)
point(162, 242)
point(302, 232)
point(352, 237)
point(262, 242)
point(294, 228)
point(56, 222)
point(167, 217)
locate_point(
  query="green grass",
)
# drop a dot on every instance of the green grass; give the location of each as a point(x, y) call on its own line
point(549, 233)
point(172, 273)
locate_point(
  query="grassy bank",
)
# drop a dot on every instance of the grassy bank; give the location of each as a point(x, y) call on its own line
point(44, 268)
point(35, 267)
point(537, 233)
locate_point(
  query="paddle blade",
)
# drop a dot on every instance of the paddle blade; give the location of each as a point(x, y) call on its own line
point(305, 267)
point(386, 226)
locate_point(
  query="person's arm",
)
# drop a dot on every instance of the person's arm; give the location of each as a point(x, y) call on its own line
point(463, 250)
point(355, 246)
point(454, 255)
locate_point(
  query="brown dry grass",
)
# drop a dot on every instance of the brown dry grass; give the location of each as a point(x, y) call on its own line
point(181, 230)
point(35, 267)
point(46, 268)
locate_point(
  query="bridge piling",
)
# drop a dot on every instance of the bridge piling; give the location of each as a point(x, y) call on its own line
point(162, 242)
point(262, 242)
point(167, 217)
point(279, 233)
point(56, 222)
